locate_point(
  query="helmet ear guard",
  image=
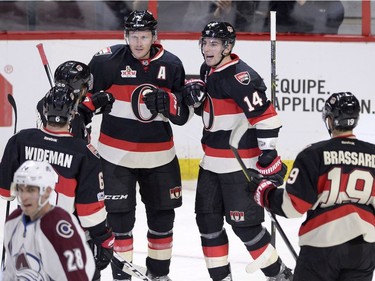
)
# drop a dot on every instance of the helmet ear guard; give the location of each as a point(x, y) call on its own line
point(343, 109)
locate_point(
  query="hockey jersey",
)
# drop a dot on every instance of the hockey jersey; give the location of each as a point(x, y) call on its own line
point(80, 187)
point(52, 248)
point(334, 182)
point(130, 135)
point(235, 92)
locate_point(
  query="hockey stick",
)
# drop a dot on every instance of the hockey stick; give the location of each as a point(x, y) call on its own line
point(129, 268)
point(234, 140)
point(7, 211)
point(45, 63)
point(273, 90)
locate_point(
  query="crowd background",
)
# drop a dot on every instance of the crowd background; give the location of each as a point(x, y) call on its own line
point(300, 16)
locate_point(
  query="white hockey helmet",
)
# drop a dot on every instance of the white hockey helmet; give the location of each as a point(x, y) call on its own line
point(34, 173)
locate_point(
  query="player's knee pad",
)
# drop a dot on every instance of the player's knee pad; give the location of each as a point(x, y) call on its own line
point(121, 222)
point(160, 220)
point(209, 223)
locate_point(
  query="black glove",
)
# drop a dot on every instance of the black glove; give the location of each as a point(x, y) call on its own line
point(194, 92)
point(159, 101)
point(271, 167)
point(100, 102)
point(102, 247)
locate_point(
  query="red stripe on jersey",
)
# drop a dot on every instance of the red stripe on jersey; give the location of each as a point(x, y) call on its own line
point(336, 214)
point(4, 192)
point(255, 254)
point(89, 209)
point(160, 244)
point(217, 251)
point(135, 146)
point(227, 153)
point(300, 205)
point(66, 186)
point(270, 112)
point(225, 107)
point(122, 92)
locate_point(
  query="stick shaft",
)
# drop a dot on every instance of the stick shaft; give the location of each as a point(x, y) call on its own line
point(7, 211)
point(273, 89)
point(45, 63)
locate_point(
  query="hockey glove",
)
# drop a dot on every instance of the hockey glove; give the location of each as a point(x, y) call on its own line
point(194, 92)
point(261, 193)
point(103, 249)
point(160, 101)
point(271, 167)
point(100, 102)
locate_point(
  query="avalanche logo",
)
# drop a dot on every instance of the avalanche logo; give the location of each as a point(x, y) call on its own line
point(175, 192)
point(105, 51)
point(64, 229)
point(243, 78)
point(237, 216)
point(128, 73)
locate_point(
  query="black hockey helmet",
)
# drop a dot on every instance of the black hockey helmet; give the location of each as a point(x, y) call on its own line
point(221, 30)
point(74, 73)
point(141, 20)
point(60, 104)
point(343, 108)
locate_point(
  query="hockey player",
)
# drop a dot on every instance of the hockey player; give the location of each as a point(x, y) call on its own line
point(80, 188)
point(235, 92)
point(333, 182)
point(78, 76)
point(136, 139)
point(43, 242)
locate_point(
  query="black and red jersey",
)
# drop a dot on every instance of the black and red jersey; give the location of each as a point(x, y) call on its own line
point(334, 182)
point(235, 92)
point(130, 135)
point(80, 187)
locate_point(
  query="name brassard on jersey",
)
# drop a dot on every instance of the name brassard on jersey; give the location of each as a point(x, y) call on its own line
point(50, 156)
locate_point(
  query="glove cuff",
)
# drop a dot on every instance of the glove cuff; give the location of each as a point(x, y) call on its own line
point(273, 168)
point(172, 104)
point(261, 193)
point(88, 103)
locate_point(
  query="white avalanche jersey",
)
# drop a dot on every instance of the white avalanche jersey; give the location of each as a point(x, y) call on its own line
point(51, 248)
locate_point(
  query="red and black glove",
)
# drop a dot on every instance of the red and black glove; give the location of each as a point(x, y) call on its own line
point(271, 167)
point(160, 101)
point(261, 193)
point(102, 247)
point(100, 102)
point(194, 92)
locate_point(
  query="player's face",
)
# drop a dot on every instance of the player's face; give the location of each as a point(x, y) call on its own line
point(140, 43)
point(212, 50)
point(28, 198)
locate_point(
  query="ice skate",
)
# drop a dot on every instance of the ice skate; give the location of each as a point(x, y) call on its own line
point(285, 274)
point(158, 278)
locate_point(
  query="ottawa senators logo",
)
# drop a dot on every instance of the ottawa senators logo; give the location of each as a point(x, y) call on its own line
point(243, 77)
point(237, 216)
point(139, 108)
point(175, 192)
